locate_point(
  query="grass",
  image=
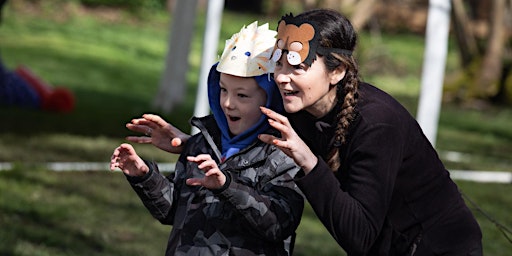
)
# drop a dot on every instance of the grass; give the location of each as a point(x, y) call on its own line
point(97, 213)
point(113, 68)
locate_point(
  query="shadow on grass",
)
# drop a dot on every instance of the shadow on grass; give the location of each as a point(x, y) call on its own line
point(43, 213)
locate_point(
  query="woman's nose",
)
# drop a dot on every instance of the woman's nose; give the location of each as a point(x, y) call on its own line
point(281, 77)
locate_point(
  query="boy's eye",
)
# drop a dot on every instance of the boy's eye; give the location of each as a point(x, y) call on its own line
point(242, 95)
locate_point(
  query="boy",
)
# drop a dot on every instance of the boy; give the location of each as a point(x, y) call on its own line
point(230, 194)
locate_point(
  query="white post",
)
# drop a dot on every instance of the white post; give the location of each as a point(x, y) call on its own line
point(210, 43)
point(434, 62)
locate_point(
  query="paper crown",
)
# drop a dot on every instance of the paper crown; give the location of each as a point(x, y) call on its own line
point(247, 53)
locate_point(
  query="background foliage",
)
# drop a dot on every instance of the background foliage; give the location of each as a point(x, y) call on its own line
point(112, 61)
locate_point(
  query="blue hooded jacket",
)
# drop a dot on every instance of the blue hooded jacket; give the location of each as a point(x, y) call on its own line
point(231, 145)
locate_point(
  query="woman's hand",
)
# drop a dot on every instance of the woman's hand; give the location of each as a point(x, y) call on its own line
point(157, 132)
point(290, 143)
point(126, 159)
point(213, 177)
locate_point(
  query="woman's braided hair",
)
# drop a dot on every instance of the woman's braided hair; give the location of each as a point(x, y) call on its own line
point(336, 31)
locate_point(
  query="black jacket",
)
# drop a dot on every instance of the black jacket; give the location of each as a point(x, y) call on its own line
point(255, 213)
point(392, 194)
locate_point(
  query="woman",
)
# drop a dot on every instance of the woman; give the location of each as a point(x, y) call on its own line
point(370, 174)
point(384, 191)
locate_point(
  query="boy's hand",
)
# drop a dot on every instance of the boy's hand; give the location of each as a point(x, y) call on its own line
point(158, 132)
point(213, 177)
point(126, 159)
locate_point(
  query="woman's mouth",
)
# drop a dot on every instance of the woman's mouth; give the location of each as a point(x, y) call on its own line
point(290, 93)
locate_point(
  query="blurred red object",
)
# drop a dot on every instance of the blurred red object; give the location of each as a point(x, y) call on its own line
point(58, 99)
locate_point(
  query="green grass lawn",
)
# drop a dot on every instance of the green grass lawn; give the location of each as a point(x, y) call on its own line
point(113, 68)
point(97, 213)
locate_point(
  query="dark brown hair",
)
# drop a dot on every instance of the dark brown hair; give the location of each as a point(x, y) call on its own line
point(336, 31)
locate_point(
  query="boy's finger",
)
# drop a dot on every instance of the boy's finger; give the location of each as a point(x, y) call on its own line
point(207, 165)
point(193, 182)
point(139, 139)
point(155, 119)
point(176, 142)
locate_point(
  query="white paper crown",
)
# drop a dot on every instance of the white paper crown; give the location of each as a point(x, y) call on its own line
point(248, 52)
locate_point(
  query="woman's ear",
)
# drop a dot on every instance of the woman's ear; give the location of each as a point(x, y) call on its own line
point(337, 74)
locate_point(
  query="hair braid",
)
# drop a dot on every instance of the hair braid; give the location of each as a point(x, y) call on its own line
point(336, 31)
point(347, 93)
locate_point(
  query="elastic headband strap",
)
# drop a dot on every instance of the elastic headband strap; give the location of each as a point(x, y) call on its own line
point(326, 50)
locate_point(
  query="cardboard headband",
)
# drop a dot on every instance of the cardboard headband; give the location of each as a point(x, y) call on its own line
point(247, 53)
point(300, 41)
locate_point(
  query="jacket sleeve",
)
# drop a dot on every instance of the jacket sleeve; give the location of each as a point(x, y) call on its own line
point(274, 207)
point(356, 214)
point(157, 192)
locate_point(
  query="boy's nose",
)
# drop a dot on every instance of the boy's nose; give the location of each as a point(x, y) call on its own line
point(227, 102)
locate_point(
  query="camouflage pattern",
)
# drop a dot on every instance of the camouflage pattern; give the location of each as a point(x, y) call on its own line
point(257, 214)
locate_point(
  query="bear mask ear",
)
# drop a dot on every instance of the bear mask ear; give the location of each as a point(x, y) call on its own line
point(296, 38)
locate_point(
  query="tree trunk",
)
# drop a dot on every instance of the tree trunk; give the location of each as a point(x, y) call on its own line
point(363, 11)
point(276, 8)
point(464, 34)
point(488, 82)
point(173, 81)
point(332, 4)
point(309, 4)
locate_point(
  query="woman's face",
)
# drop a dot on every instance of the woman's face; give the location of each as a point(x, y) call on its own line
point(240, 99)
point(311, 88)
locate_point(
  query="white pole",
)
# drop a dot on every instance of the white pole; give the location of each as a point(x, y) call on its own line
point(434, 62)
point(210, 43)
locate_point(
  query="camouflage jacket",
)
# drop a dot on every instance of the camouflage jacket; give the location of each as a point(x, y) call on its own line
point(255, 213)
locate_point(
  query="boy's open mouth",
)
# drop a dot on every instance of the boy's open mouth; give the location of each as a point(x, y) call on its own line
point(233, 118)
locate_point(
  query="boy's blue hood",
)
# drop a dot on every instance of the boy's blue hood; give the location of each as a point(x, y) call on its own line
point(231, 145)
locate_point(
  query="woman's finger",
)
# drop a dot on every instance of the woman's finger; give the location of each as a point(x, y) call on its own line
point(275, 116)
point(267, 138)
point(286, 130)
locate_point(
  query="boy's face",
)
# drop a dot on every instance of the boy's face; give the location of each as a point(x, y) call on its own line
point(240, 99)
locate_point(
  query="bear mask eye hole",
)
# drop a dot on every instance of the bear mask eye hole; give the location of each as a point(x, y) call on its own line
point(296, 46)
point(280, 44)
